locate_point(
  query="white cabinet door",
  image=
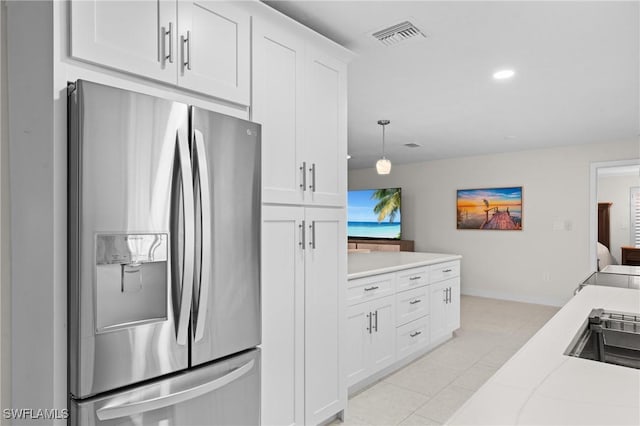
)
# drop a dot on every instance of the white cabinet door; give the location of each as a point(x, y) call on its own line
point(214, 50)
point(371, 338)
point(382, 351)
point(325, 289)
point(132, 36)
point(445, 307)
point(282, 316)
point(453, 307)
point(325, 143)
point(357, 344)
point(438, 310)
point(278, 63)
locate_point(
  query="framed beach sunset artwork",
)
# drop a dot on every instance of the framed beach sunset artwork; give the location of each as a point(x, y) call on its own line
point(490, 208)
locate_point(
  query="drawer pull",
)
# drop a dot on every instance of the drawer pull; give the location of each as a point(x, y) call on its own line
point(373, 287)
point(413, 302)
point(415, 278)
point(415, 333)
point(446, 270)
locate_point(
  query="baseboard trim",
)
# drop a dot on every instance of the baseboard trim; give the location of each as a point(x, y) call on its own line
point(549, 301)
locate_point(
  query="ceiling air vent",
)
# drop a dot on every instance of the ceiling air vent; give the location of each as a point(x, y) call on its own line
point(397, 33)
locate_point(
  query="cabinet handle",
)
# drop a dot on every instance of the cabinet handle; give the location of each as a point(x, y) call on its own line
point(446, 270)
point(415, 333)
point(373, 287)
point(376, 325)
point(413, 302)
point(186, 59)
point(444, 291)
point(415, 278)
point(448, 294)
point(163, 34)
point(303, 169)
point(369, 328)
point(312, 227)
point(302, 236)
point(312, 187)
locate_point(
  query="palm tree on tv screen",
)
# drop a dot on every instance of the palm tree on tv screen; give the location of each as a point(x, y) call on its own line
point(388, 204)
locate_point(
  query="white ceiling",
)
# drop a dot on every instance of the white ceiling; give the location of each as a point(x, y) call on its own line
point(577, 77)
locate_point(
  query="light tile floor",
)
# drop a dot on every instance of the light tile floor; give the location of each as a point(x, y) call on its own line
point(429, 390)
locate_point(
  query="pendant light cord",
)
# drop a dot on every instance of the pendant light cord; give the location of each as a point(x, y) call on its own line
point(383, 126)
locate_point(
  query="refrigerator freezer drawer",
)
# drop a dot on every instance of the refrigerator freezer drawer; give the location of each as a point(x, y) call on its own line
point(226, 392)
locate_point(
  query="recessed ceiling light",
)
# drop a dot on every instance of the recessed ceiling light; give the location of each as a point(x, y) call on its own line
point(503, 74)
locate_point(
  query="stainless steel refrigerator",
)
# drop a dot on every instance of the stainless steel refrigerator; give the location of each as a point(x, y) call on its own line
point(164, 252)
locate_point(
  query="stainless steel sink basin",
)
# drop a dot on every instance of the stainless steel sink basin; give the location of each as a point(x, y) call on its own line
point(610, 279)
point(609, 336)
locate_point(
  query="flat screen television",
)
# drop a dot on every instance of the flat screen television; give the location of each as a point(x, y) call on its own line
point(374, 213)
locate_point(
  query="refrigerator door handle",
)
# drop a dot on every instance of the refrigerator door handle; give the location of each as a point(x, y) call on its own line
point(205, 218)
point(189, 238)
point(116, 410)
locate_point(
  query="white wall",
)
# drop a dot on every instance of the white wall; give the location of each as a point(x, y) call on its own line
point(38, 213)
point(545, 261)
point(5, 288)
point(616, 190)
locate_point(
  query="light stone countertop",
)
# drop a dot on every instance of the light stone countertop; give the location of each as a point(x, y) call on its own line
point(541, 386)
point(380, 262)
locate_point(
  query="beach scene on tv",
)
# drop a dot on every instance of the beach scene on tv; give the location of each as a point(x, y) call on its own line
point(494, 208)
point(374, 213)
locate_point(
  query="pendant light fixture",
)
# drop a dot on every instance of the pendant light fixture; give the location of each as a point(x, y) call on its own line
point(383, 166)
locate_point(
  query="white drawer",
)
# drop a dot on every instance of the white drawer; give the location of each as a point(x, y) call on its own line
point(412, 304)
point(369, 288)
point(412, 336)
point(444, 271)
point(411, 278)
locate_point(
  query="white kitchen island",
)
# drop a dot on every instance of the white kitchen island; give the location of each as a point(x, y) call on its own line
point(540, 385)
point(400, 306)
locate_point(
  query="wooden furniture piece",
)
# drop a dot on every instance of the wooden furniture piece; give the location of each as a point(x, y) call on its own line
point(631, 256)
point(604, 234)
point(381, 245)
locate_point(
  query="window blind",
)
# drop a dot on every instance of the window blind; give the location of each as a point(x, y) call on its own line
point(634, 203)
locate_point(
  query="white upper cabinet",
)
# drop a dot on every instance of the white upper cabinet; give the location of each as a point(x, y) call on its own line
point(214, 49)
point(133, 36)
point(300, 99)
point(202, 46)
point(278, 64)
point(325, 143)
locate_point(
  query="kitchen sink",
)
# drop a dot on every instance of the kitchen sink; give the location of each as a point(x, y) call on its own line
point(611, 279)
point(609, 336)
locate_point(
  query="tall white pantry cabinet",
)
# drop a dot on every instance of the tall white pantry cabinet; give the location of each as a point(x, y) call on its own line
point(299, 97)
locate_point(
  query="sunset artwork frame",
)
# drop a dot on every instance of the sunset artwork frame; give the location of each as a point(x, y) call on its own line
point(490, 208)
